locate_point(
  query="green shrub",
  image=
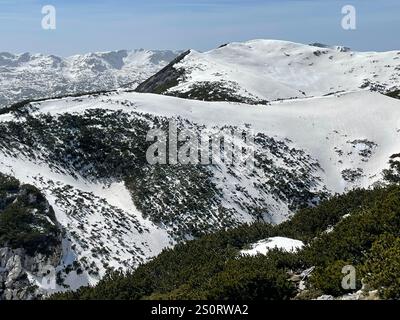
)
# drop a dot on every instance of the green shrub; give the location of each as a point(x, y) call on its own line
point(382, 266)
point(250, 278)
point(24, 217)
point(329, 279)
point(212, 268)
point(392, 174)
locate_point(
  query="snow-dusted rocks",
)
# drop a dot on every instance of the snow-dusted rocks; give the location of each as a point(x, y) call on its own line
point(30, 241)
point(32, 76)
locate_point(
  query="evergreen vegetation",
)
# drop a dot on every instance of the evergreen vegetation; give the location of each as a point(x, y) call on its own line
point(216, 91)
point(393, 173)
point(110, 145)
point(363, 231)
point(26, 219)
point(394, 94)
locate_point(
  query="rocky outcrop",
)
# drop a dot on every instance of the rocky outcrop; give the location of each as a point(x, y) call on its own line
point(164, 79)
point(18, 268)
point(30, 241)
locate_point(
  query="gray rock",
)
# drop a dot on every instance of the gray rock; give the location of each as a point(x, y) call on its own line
point(15, 264)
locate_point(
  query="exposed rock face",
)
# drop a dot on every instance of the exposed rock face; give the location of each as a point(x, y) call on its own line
point(16, 267)
point(30, 240)
point(163, 80)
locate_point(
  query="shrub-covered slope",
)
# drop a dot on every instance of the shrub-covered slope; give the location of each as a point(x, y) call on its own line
point(26, 219)
point(360, 229)
point(87, 154)
point(30, 240)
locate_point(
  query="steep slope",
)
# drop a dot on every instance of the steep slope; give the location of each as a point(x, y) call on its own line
point(260, 71)
point(88, 157)
point(30, 240)
point(358, 229)
point(325, 134)
point(31, 76)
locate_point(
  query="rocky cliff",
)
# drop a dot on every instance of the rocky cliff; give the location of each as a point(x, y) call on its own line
point(30, 241)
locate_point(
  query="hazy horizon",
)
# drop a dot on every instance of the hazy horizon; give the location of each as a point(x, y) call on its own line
point(105, 25)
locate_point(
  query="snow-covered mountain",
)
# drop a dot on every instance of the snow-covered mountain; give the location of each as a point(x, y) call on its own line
point(30, 76)
point(87, 154)
point(260, 71)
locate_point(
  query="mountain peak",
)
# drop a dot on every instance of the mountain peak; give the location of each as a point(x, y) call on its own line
point(259, 71)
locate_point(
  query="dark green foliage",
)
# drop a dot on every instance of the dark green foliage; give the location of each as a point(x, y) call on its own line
point(25, 218)
point(160, 207)
point(328, 279)
point(294, 184)
point(250, 278)
point(353, 236)
point(8, 185)
point(392, 175)
point(394, 94)
point(189, 265)
point(211, 268)
point(352, 239)
point(382, 266)
point(311, 222)
point(101, 144)
point(215, 91)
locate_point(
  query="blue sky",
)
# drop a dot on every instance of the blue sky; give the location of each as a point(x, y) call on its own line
point(89, 25)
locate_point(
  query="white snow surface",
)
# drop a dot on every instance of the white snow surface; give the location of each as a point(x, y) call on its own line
point(352, 130)
point(273, 69)
point(125, 251)
point(282, 243)
point(331, 129)
point(32, 76)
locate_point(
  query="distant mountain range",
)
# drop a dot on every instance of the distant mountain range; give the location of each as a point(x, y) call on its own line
point(29, 76)
point(324, 122)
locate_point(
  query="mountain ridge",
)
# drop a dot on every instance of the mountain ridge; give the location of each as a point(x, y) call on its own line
point(261, 71)
point(32, 76)
point(87, 154)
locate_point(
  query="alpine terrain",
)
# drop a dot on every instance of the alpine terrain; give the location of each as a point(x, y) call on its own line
point(325, 121)
point(33, 76)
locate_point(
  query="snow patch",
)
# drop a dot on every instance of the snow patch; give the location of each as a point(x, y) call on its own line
point(263, 246)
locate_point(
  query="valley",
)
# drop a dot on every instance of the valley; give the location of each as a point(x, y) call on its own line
point(320, 130)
